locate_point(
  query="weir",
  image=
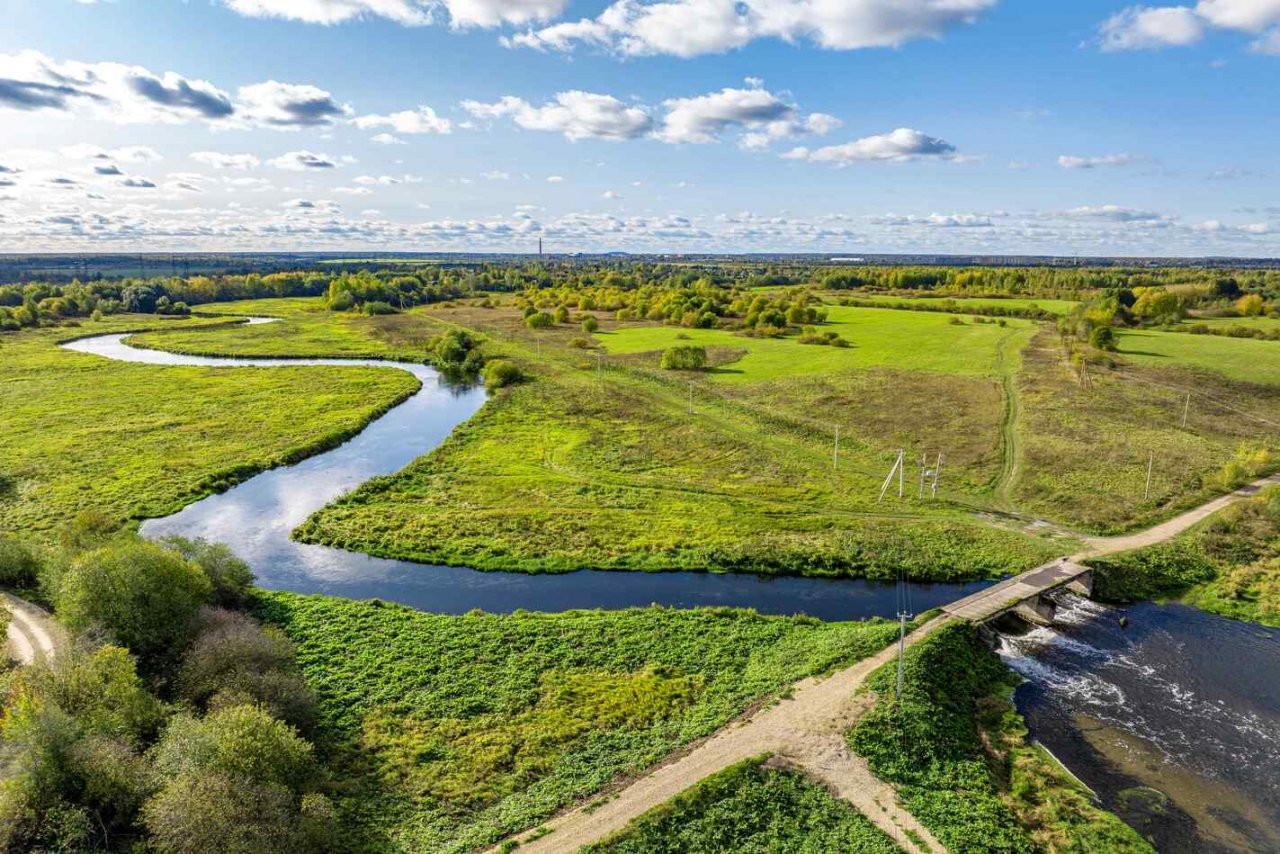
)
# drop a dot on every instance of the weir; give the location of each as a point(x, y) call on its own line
point(1025, 594)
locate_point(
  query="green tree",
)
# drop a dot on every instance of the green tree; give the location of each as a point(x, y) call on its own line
point(144, 596)
point(230, 576)
point(1103, 338)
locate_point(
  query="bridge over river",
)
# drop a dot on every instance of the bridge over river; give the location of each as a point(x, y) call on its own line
point(1025, 594)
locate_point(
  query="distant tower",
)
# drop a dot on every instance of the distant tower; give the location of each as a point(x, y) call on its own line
point(539, 247)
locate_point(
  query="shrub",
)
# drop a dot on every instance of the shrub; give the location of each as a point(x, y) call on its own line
point(688, 358)
point(580, 343)
point(500, 373)
point(19, 566)
point(144, 596)
point(378, 307)
point(1250, 306)
point(539, 320)
point(235, 661)
point(590, 325)
point(230, 576)
point(1103, 338)
point(562, 314)
point(242, 742)
point(221, 814)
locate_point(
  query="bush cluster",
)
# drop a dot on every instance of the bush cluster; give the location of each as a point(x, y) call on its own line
point(684, 358)
point(171, 723)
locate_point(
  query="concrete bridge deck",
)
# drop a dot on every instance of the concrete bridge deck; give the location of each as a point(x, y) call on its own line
point(1011, 592)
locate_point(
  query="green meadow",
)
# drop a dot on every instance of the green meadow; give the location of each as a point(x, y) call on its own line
point(907, 341)
point(1056, 306)
point(1244, 359)
point(136, 440)
point(452, 732)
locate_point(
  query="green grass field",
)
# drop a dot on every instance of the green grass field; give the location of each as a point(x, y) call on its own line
point(141, 440)
point(1267, 323)
point(1086, 450)
point(606, 468)
point(754, 806)
point(1244, 359)
point(452, 732)
point(306, 329)
point(1056, 306)
point(906, 341)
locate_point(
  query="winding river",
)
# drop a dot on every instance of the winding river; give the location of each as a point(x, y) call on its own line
point(255, 518)
point(1173, 721)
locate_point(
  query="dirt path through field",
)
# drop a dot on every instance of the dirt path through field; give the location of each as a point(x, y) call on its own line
point(1010, 445)
point(33, 633)
point(1098, 546)
point(805, 731)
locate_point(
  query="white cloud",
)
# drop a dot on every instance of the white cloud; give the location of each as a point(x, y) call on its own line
point(219, 160)
point(388, 139)
point(419, 121)
point(610, 194)
point(701, 120)
point(130, 94)
point(1256, 228)
point(936, 220)
point(408, 12)
point(302, 161)
point(902, 145)
point(288, 106)
point(127, 154)
point(1209, 225)
point(496, 175)
point(1071, 162)
point(555, 179)
point(412, 13)
point(1144, 27)
point(690, 28)
point(1112, 213)
point(353, 191)
point(1140, 27)
point(576, 114)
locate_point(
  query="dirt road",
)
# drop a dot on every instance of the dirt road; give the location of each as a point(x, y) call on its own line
point(33, 633)
point(1098, 546)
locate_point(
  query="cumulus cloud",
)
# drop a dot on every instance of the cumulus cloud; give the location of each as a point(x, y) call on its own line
point(412, 13)
point(1144, 27)
point(760, 116)
point(303, 161)
point(555, 179)
point(935, 220)
point(1112, 213)
point(126, 154)
point(138, 183)
point(219, 160)
point(289, 106)
point(576, 114)
point(419, 121)
point(1067, 161)
point(387, 139)
point(109, 169)
point(902, 145)
point(690, 28)
point(701, 120)
point(131, 94)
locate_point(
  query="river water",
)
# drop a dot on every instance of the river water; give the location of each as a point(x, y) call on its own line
point(1174, 720)
point(255, 518)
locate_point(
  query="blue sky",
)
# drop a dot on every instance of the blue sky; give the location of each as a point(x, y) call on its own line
point(983, 126)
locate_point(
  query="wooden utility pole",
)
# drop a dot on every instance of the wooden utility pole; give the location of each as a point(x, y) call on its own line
point(835, 452)
point(1151, 461)
point(690, 397)
point(897, 469)
point(1186, 411)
